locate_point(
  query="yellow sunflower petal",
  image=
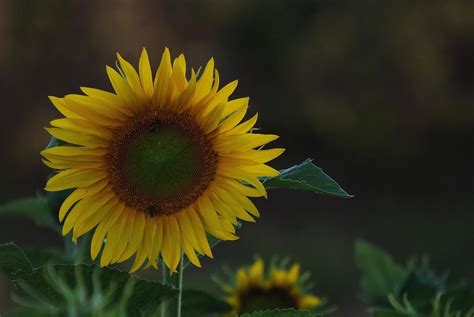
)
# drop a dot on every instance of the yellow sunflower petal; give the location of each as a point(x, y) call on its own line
point(62, 151)
point(77, 138)
point(162, 79)
point(234, 105)
point(259, 156)
point(60, 104)
point(148, 236)
point(102, 229)
point(124, 239)
point(189, 251)
point(243, 127)
point(256, 271)
point(109, 99)
point(166, 250)
point(85, 224)
point(113, 238)
point(74, 214)
point(78, 194)
point(309, 301)
point(293, 273)
point(145, 73)
point(200, 232)
point(74, 178)
point(123, 89)
point(179, 74)
point(184, 100)
point(131, 76)
point(158, 239)
point(136, 236)
point(175, 237)
point(221, 96)
point(82, 126)
point(94, 109)
point(233, 119)
point(139, 259)
point(187, 229)
point(205, 81)
point(243, 142)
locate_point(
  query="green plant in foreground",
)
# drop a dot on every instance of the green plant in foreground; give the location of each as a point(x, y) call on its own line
point(413, 290)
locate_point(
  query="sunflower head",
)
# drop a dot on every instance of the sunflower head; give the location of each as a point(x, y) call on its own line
point(157, 164)
point(258, 288)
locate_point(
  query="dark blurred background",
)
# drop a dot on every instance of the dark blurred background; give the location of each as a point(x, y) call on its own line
point(379, 93)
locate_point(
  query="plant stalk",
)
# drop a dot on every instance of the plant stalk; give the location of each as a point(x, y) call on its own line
point(179, 286)
point(164, 279)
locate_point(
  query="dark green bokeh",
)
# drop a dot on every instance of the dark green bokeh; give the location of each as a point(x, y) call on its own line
point(380, 94)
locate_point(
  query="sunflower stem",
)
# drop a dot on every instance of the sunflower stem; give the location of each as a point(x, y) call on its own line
point(180, 286)
point(164, 279)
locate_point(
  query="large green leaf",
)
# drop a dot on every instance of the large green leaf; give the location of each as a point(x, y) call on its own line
point(60, 286)
point(13, 259)
point(281, 313)
point(198, 303)
point(381, 276)
point(307, 177)
point(145, 298)
point(43, 256)
point(33, 208)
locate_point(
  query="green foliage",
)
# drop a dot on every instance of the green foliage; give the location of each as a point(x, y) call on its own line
point(281, 313)
point(13, 259)
point(198, 303)
point(413, 290)
point(33, 208)
point(381, 275)
point(79, 290)
point(306, 177)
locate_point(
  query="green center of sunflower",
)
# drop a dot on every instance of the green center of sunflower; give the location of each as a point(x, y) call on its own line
point(160, 162)
point(260, 299)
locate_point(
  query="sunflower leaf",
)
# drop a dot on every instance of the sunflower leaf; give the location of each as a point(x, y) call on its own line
point(307, 177)
point(62, 287)
point(44, 255)
point(199, 303)
point(281, 313)
point(13, 259)
point(58, 286)
point(33, 208)
point(381, 276)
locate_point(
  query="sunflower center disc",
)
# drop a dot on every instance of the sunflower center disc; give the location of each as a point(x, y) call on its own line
point(161, 162)
point(260, 299)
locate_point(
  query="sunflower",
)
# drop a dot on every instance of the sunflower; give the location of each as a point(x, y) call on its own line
point(251, 289)
point(158, 164)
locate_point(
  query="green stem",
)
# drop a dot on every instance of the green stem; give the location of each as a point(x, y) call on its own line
point(164, 278)
point(180, 286)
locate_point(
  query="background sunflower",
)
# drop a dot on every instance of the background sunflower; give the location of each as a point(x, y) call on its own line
point(257, 287)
